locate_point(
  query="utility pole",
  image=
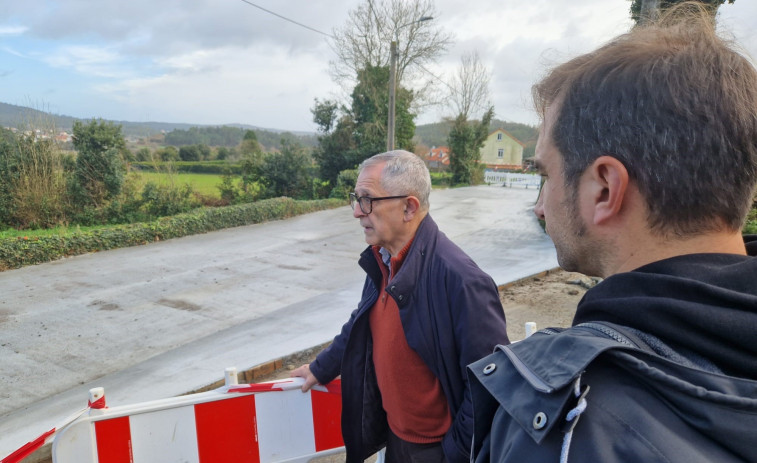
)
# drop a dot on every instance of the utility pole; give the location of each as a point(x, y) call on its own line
point(393, 81)
point(392, 96)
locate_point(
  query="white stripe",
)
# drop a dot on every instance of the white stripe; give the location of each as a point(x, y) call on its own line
point(165, 436)
point(76, 442)
point(285, 425)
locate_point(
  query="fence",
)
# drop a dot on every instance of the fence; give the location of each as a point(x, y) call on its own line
point(260, 423)
point(510, 179)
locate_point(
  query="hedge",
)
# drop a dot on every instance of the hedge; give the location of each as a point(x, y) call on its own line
point(21, 251)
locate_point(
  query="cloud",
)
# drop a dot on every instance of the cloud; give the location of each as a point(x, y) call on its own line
point(12, 30)
point(91, 61)
point(210, 61)
point(262, 86)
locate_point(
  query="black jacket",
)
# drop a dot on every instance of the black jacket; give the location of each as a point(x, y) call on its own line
point(673, 378)
point(451, 315)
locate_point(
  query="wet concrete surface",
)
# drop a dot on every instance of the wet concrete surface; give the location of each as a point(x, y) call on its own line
point(162, 319)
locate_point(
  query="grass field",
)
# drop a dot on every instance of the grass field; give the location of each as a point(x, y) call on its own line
point(205, 184)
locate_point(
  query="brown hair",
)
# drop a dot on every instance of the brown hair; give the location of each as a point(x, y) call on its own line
point(677, 105)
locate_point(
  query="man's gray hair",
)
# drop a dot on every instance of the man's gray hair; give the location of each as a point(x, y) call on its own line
point(404, 174)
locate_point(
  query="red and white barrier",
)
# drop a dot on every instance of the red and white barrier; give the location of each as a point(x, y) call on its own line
point(259, 423)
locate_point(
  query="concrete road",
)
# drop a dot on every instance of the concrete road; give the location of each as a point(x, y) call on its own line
point(162, 319)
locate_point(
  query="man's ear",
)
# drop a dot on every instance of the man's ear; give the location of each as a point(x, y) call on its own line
point(412, 207)
point(610, 184)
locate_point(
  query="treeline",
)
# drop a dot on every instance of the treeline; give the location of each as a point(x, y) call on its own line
point(232, 136)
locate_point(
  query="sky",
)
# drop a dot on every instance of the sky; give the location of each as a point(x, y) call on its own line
point(215, 62)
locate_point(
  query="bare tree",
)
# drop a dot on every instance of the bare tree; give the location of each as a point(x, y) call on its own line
point(470, 87)
point(366, 38)
point(650, 10)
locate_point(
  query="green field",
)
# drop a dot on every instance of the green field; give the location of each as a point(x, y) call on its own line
point(205, 184)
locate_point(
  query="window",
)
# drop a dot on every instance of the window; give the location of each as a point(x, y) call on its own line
point(499, 137)
point(501, 153)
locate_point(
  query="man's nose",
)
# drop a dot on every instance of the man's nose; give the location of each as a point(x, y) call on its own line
point(539, 207)
point(357, 212)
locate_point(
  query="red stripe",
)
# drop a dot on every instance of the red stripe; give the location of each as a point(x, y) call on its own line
point(334, 387)
point(28, 448)
point(114, 441)
point(327, 417)
point(259, 387)
point(227, 430)
point(97, 404)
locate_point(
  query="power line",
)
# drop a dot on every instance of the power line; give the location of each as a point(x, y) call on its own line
point(437, 78)
point(287, 19)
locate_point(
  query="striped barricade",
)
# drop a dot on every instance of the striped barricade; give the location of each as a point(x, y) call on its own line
point(257, 423)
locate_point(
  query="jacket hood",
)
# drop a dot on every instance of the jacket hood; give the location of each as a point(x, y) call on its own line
point(702, 304)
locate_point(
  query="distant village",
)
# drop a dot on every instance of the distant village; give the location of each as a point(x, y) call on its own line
point(62, 136)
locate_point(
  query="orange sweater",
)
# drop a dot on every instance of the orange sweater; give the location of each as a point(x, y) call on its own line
point(413, 399)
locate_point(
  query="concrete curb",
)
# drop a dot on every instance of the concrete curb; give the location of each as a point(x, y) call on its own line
point(521, 280)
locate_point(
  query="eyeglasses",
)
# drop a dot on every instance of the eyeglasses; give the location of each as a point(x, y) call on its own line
point(366, 202)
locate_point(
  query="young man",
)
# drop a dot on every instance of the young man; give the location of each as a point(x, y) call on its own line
point(648, 151)
point(426, 312)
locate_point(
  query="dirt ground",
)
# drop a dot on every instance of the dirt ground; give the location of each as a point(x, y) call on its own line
point(548, 301)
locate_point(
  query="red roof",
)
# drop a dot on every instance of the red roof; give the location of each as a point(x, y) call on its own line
point(440, 154)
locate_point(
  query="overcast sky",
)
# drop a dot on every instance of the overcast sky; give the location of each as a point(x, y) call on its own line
point(225, 61)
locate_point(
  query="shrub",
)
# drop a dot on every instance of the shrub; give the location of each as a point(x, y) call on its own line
point(750, 227)
point(166, 200)
point(345, 184)
point(32, 182)
point(20, 251)
point(99, 172)
point(441, 179)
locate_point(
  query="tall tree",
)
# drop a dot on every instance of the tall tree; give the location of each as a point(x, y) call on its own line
point(347, 136)
point(469, 87)
point(364, 41)
point(99, 171)
point(285, 173)
point(252, 161)
point(643, 11)
point(336, 142)
point(370, 112)
point(465, 142)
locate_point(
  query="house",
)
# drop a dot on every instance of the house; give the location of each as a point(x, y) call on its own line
point(63, 137)
point(437, 159)
point(502, 151)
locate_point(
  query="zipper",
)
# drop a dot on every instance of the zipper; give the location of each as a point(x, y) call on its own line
point(610, 333)
point(526, 372)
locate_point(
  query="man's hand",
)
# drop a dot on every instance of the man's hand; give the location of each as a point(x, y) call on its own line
point(304, 372)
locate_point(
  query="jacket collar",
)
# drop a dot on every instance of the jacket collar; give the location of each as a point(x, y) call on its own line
point(402, 284)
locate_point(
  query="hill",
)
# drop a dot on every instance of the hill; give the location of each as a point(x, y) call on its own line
point(189, 134)
point(21, 116)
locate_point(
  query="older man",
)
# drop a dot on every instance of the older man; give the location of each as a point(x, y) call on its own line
point(649, 156)
point(426, 312)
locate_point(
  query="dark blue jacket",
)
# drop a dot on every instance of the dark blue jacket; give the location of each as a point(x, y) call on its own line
point(689, 395)
point(451, 315)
